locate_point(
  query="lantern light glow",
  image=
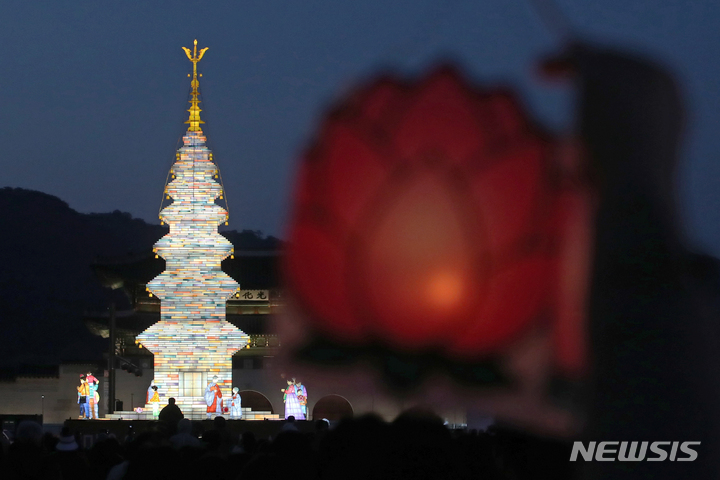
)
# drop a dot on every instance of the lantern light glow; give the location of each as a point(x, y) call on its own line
point(426, 217)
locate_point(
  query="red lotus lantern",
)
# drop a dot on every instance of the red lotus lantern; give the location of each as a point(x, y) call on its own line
point(427, 218)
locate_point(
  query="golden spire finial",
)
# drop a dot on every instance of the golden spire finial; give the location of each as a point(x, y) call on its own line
point(194, 119)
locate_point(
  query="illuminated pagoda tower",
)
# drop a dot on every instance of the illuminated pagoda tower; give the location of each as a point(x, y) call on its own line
point(192, 342)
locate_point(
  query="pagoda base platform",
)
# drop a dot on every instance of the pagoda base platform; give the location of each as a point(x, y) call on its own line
point(193, 412)
point(194, 408)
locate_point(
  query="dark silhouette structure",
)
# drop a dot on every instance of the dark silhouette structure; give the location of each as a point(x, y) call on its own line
point(654, 304)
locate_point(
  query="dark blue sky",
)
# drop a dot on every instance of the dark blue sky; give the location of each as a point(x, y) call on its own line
point(93, 94)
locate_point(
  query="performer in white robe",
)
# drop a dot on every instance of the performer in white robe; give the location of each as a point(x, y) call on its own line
point(236, 404)
point(150, 392)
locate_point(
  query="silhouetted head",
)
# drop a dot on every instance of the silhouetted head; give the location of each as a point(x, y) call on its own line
point(219, 423)
point(171, 401)
point(322, 425)
point(28, 432)
point(249, 442)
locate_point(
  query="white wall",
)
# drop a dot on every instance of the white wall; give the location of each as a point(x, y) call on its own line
point(23, 396)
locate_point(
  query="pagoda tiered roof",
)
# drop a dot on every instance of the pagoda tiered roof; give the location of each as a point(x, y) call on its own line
point(252, 269)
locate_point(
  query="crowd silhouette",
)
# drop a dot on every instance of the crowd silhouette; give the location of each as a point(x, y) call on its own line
point(415, 445)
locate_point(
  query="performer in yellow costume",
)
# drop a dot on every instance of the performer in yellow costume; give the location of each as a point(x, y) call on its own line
point(155, 400)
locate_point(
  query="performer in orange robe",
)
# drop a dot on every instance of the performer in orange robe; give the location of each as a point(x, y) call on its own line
point(213, 398)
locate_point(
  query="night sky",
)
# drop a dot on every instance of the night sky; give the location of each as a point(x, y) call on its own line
point(94, 93)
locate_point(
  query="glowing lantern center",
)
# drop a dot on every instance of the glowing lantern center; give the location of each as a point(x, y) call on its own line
point(445, 290)
point(419, 260)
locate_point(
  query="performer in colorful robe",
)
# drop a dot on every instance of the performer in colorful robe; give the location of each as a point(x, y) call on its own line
point(302, 396)
point(213, 398)
point(236, 404)
point(84, 392)
point(292, 404)
point(79, 397)
point(91, 378)
point(97, 401)
point(155, 401)
point(93, 385)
